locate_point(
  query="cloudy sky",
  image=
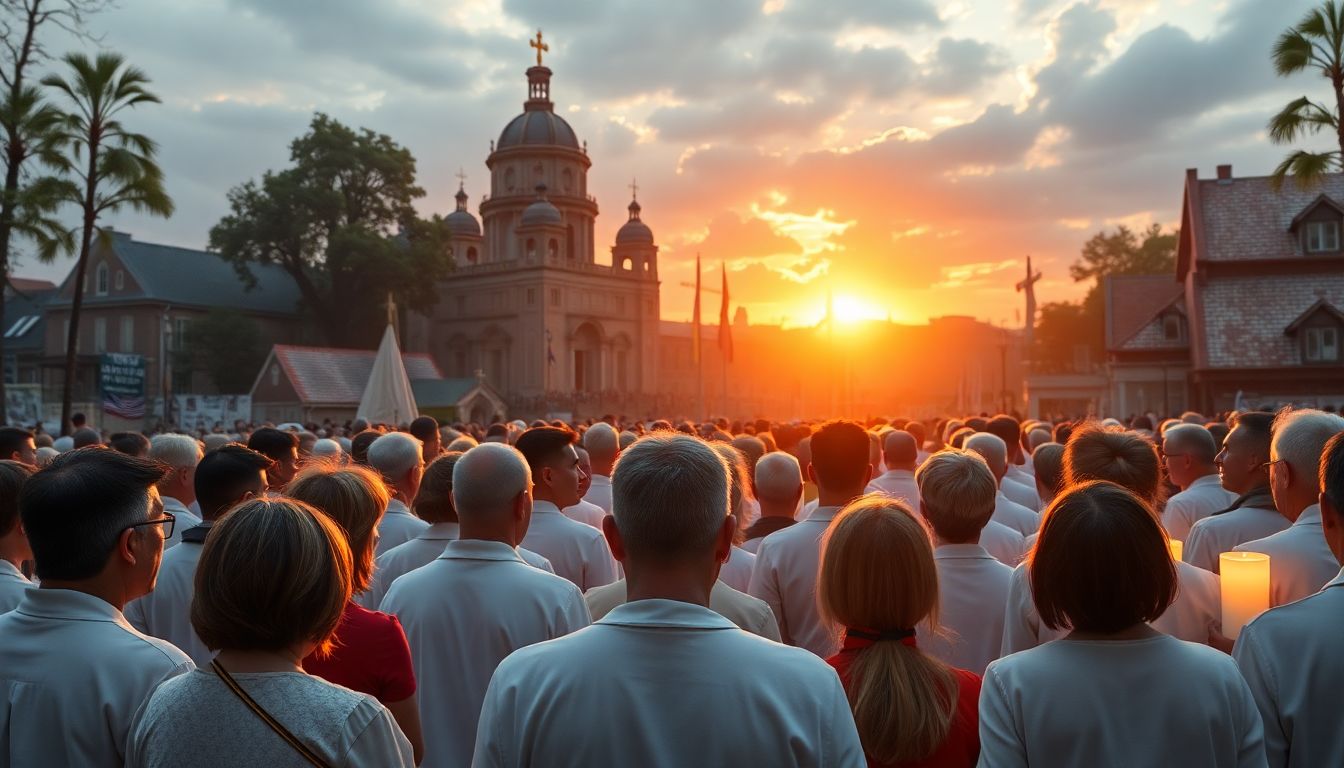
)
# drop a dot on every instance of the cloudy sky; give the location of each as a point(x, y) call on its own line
point(905, 155)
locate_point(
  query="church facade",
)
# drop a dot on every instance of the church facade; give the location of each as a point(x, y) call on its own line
point(528, 305)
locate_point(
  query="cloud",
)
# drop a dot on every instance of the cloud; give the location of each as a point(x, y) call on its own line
point(961, 66)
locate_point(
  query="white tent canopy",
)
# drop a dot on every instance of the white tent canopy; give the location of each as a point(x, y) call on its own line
point(387, 397)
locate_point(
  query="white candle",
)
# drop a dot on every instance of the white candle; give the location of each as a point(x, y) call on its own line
point(1245, 578)
point(1177, 547)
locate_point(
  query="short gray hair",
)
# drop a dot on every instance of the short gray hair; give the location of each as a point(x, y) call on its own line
point(1038, 437)
point(175, 450)
point(992, 448)
point(394, 454)
point(602, 441)
point(627, 439)
point(1195, 438)
point(1299, 439)
point(670, 496)
point(487, 478)
point(957, 492)
point(212, 441)
point(778, 476)
point(327, 447)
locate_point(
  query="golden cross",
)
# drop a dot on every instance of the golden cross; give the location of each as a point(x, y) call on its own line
point(540, 46)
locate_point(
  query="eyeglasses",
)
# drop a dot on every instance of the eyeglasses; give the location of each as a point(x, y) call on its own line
point(168, 521)
point(1272, 463)
point(1174, 455)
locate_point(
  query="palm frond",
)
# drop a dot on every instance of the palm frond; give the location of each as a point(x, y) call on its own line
point(1308, 169)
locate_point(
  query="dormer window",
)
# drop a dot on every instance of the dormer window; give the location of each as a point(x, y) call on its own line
point(1173, 327)
point(1319, 331)
point(1321, 236)
point(1320, 345)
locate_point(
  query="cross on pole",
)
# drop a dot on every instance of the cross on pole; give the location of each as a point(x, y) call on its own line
point(461, 177)
point(634, 189)
point(540, 46)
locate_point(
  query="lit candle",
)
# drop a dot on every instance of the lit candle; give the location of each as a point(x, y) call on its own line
point(1177, 547)
point(1245, 577)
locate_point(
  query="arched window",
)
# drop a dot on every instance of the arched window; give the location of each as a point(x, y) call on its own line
point(100, 279)
point(471, 255)
point(553, 249)
point(531, 249)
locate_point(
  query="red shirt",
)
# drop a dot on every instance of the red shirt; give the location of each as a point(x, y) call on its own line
point(962, 745)
point(370, 656)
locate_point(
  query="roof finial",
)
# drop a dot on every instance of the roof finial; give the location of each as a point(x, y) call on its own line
point(461, 178)
point(634, 189)
point(540, 46)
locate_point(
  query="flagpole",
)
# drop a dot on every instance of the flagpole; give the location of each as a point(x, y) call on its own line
point(696, 351)
point(725, 344)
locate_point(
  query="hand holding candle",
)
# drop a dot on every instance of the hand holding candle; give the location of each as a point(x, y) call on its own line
point(1245, 581)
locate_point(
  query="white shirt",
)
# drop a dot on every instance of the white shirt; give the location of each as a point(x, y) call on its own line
point(972, 594)
point(736, 573)
point(1201, 499)
point(1197, 607)
point(785, 577)
point(1300, 562)
point(899, 484)
point(1021, 493)
point(422, 550)
point(599, 492)
point(745, 611)
point(1014, 515)
point(578, 552)
point(185, 519)
point(398, 526)
point(669, 684)
point(13, 586)
point(1024, 475)
point(1290, 658)
point(72, 675)
point(1122, 703)
point(165, 613)
point(806, 511)
point(463, 613)
point(587, 513)
point(1216, 534)
point(1005, 544)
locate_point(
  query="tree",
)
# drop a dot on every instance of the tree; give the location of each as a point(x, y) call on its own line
point(340, 221)
point(114, 167)
point(28, 200)
point(228, 346)
point(1317, 43)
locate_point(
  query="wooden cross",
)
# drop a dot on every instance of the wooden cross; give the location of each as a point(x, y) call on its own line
point(634, 189)
point(540, 46)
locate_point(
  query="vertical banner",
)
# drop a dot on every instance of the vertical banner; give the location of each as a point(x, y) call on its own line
point(121, 378)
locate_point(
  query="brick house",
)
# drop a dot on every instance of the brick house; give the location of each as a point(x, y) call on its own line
point(1263, 278)
point(1147, 345)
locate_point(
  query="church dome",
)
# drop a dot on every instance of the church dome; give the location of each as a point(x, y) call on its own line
point(541, 212)
point(460, 222)
point(634, 231)
point(537, 128)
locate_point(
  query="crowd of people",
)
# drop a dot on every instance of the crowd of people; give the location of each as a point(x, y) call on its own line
point(984, 591)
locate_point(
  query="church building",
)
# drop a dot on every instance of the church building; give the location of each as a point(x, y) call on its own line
point(528, 305)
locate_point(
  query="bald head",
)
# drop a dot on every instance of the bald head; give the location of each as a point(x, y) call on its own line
point(603, 445)
point(992, 449)
point(900, 450)
point(779, 483)
point(487, 481)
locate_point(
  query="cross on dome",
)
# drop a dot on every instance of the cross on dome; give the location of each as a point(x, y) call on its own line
point(540, 46)
point(634, 189)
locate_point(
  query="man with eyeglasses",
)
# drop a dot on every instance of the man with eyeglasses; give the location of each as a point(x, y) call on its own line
point(224, 477)
point(73, 672)
point(1188, 453)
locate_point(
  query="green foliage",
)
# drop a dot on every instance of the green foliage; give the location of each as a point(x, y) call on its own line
point(1123, 253)
point(1314, 43)
point(340, 221)
point(228, 346)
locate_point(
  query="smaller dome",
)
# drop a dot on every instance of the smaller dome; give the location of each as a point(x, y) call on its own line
point(541, 212)
point(634, 231)
point(462, 223)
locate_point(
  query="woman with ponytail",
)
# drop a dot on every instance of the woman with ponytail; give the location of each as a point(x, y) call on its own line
point(878, 583)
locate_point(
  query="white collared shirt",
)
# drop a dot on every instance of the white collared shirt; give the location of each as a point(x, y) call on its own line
point(587, 513)
point(785, 577)
point(1300, 562)
point(1201, 499)
point(972, 594)
point(1024, 475)
point(1021, 494)
point(185, 519)
point(578, 552)
point(1005, 544)
point(898, 484)
point(398, 526)
point(1014, 515)
point(1290, 658)
point(736, 573)
point(1216, 534)
point(422, 550)
point(672, 684)
point(165, 613)
point(72, 675)
point(745, 611)
point(463, 613)
point(13, 586)
point(599, 492)
point(1155, 701)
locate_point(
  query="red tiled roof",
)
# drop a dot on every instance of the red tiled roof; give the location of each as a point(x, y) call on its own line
point(29, 284)
point(327, 375)
point(1132, 301)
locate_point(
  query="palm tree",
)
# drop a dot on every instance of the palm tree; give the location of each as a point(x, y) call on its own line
point(113, 166)
point(1316, 42)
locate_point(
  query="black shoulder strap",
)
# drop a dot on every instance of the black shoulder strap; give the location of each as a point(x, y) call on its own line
point(282, 731)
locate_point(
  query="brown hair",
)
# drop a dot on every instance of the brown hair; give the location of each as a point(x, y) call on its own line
point(840, 453)
point(1048, 462)
point(355, 497)
point(1114, 455)
point(13, 475)
point(957, 491)
point(273, 573)
point(877, 573)
point(434, 502)
point(1101, 563)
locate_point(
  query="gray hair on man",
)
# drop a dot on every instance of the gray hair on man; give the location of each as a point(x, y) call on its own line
point(627, 439)
point(957, 492)
point(1300, 437)
point(1038, 437)
point(899, 450)
point(778, 477)
point(601, 441)
point(213, 442)
point(670, 497)
point(327, 448)
point(486, 480)
point(175, 450)
point(394, 454)
point(1194, 439)
point(992, 449)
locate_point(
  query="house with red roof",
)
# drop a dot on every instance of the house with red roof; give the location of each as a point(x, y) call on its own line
point(1147, 345)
